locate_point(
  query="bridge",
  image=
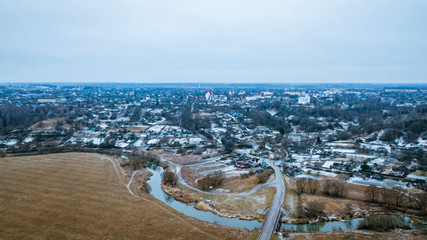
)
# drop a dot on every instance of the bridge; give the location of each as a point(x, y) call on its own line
point(271, 220)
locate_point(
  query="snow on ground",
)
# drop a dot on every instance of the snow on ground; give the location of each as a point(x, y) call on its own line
point(121, 144)
point(122, 119)
point(207, 164)
point(225, 170)
point(243, 151)
point(359, 156)
point(235, 173)
point(400, 142)
point(72, 140)
point(103, 125)
point(173, 128)
point(196, 140)
point(308, 176)
point(95, 141)
point(272, 112)
point(343, 150)
point(361, 181)
point(386, 183)
point(379, 161)
point(218, 130)
point(155, 129)
point(180, 141)
point(376, 146)
point(12, 142)
point(323, 173)
point(28, 139)
point(153, 141)
point(300, 158)
point(414, 176)
point(139, 143)
point(422, 141)
point(340, 144)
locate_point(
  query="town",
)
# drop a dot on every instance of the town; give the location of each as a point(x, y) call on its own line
point(350, 143)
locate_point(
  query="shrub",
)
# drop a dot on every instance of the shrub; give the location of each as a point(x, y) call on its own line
point(170, 178)
point(334, 188)
point(314, 209)
point(181, 151)
point(211, 180)
point(371, 193)
point(2, 154)
point(244, 175)
point(263, 177)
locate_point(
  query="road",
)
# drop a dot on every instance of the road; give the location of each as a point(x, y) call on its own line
point(274, 213)
point(177, 170)
point(276, 206)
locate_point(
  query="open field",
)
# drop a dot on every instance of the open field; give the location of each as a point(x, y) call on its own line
point(245, 207)
point(341, 206)
point(238, 184)
point(359, 235)
point(51, 124)
point(176, 158)
point(84, 196)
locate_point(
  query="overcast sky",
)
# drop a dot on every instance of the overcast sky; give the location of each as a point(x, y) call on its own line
point(285, 41)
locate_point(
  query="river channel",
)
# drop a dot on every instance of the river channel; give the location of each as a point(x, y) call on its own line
point(189, 210)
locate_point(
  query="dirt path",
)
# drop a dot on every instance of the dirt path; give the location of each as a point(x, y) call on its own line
point(130, 182)
point(133, 194)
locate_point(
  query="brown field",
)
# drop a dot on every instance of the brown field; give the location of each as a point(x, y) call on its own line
point(237, 184)
point(338, 206)
point(82, 196)
point(359, 235)
point(354, 197)
point(245, 207)
point(51, 124)
point(176, 158)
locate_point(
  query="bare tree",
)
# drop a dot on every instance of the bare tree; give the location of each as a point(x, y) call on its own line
point(218, 178)
point(299, 212)
point(300, 185)
point(371, 193)
point(314, 208)
point(313, 185)
point(211, 180)
point(399, 196)
point(387, 196)
point(419, 201)
point(264, 176)
point(349, 209)
point(170, 178)
point(334, 188)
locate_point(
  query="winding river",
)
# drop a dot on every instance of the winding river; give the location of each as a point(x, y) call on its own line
point(189, 210)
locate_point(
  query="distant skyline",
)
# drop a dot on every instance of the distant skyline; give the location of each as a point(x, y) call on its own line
point(214, 41)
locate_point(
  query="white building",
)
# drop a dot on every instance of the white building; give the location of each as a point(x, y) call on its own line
point(304, 99)
point(208, 95)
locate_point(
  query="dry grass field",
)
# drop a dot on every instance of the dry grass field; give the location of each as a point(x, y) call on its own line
point(361, 235)
point(238, 184)
point(82, 196)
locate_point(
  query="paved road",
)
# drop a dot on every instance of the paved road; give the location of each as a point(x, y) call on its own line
point(276, 206)
point(274, 212)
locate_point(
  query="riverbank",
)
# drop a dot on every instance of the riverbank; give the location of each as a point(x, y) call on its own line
point(414, 219)
point(252, 207)
point(414, 234)
point(215, 204)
